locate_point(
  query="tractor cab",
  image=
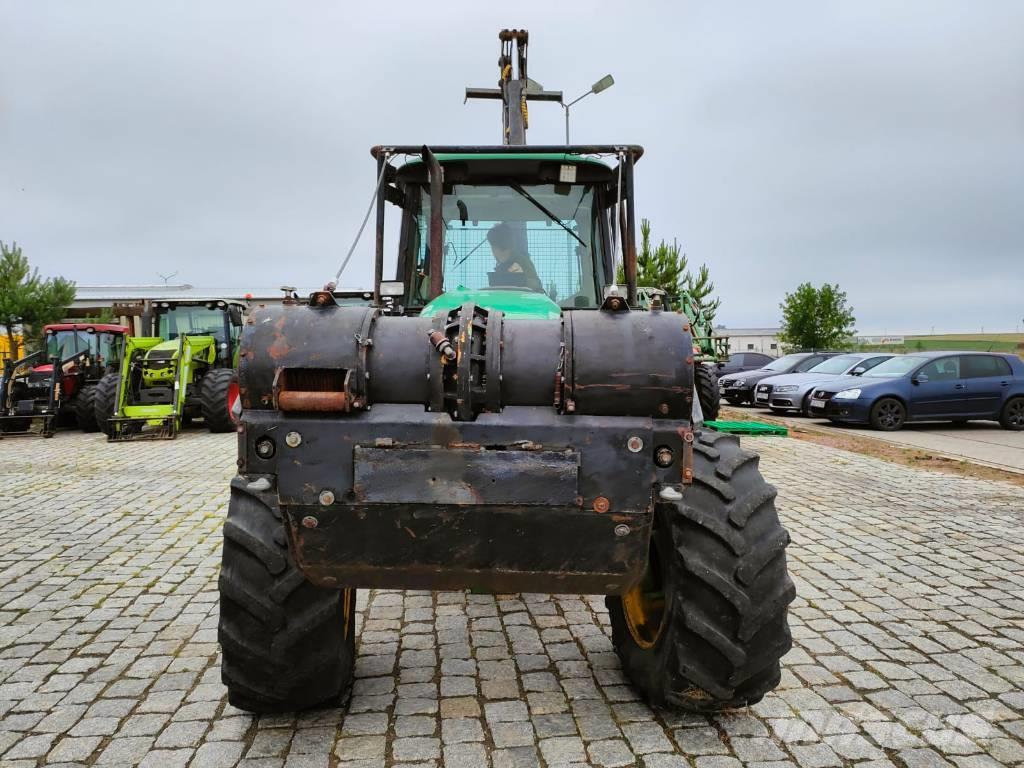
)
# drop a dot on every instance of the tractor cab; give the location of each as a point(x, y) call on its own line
point(102, 343)
point(526, 233)
point(220, 319)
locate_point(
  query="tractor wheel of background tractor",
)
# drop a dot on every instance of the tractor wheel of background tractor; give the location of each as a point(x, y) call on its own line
point(706, 627)
point(106, 391)
point(217, 395)
point(287, 644)
point(85, 409)
point(706, 384)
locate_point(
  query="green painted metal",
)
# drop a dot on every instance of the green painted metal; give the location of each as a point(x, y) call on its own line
point(555, 157)
point(514, 303)
point(747, 428)
point(174, 367)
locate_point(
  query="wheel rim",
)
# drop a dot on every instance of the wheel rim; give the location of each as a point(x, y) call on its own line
point(1015, 413)
point(234, 402)
point(644, 604)
point(890, 414)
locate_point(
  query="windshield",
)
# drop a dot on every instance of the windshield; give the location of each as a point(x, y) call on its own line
point(191, 321)
point(895, 366)
point(538, 237)
point(64, 344)
point(103, 346)
point(835, 365)
point(783, 363)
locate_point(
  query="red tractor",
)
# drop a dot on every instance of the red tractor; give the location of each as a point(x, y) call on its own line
point(57, 385)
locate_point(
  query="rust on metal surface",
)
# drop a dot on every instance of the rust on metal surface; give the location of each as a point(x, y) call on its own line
point(314, 390)
point(601, 505)
point(686, 465)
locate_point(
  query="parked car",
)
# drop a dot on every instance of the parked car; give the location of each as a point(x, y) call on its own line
point(928, 386)
point(740, 362)
point(792, 391)
point(739, 388)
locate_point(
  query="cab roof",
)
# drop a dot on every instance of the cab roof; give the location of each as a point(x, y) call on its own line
point(97, 327)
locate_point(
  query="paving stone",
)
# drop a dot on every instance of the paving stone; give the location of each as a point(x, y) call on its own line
point(459, 730)
point(465, 756)
point(72, 749)
point(517, 757)
point(560, 750)
point(168, 758)
point(922, 758)
point(815, 756)
point(700, 741)
point(416, 749)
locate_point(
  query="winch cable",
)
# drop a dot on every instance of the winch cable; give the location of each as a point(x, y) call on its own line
point(366, 218)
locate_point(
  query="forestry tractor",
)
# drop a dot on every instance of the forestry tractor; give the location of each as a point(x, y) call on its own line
point(56, 386)
point(185, 369)
point(503, 417)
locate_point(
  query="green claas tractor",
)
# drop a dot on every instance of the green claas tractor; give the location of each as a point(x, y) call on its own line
point(708, 349)
point(185, 370)
point(503, 417)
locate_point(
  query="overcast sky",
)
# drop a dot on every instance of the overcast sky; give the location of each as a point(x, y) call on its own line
point(879, 145)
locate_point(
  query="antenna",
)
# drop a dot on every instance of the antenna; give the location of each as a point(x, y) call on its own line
point(168, 277)
point(514, 87)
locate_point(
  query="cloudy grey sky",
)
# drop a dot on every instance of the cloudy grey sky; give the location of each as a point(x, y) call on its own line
point(879, 145)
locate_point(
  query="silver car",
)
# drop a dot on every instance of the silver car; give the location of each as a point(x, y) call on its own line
point(792, 391)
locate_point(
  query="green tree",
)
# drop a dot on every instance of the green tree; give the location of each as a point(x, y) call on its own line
point(661, 266)
point(816, 318)
point(26, 299)
point(701, 290)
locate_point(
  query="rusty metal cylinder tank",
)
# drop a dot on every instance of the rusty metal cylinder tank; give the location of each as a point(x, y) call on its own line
point(344, 359)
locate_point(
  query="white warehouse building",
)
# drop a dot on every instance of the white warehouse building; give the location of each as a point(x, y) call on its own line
point(764, 340)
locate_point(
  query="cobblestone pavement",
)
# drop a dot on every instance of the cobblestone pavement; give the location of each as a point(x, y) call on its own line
point(908, 629)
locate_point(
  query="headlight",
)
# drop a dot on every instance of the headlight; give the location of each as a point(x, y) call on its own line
point(739, 382)
point(847, 394)
point(786, 388)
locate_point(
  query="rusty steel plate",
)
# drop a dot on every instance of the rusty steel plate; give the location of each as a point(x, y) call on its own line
point(465, 476)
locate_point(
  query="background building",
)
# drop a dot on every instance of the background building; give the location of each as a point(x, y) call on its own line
point(765, 340)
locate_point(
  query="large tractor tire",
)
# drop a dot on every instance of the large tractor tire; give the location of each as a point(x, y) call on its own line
point(706, 627)
point(85, 409)
point(287, 644)
point(706, 384)
point(217, 397)
point(103, 402)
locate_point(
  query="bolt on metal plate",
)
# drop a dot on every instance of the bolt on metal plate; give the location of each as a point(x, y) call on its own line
point(293, 439)
point(635, 444)
point(326, 497)
point(621, 530)
point(310, 522)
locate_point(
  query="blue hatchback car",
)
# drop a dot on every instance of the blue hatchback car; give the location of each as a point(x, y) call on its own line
point(928, 386)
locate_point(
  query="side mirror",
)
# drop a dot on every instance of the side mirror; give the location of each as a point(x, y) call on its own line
point(857, 371)
point(921, 378)
point(235, 315)
point(392, 288)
